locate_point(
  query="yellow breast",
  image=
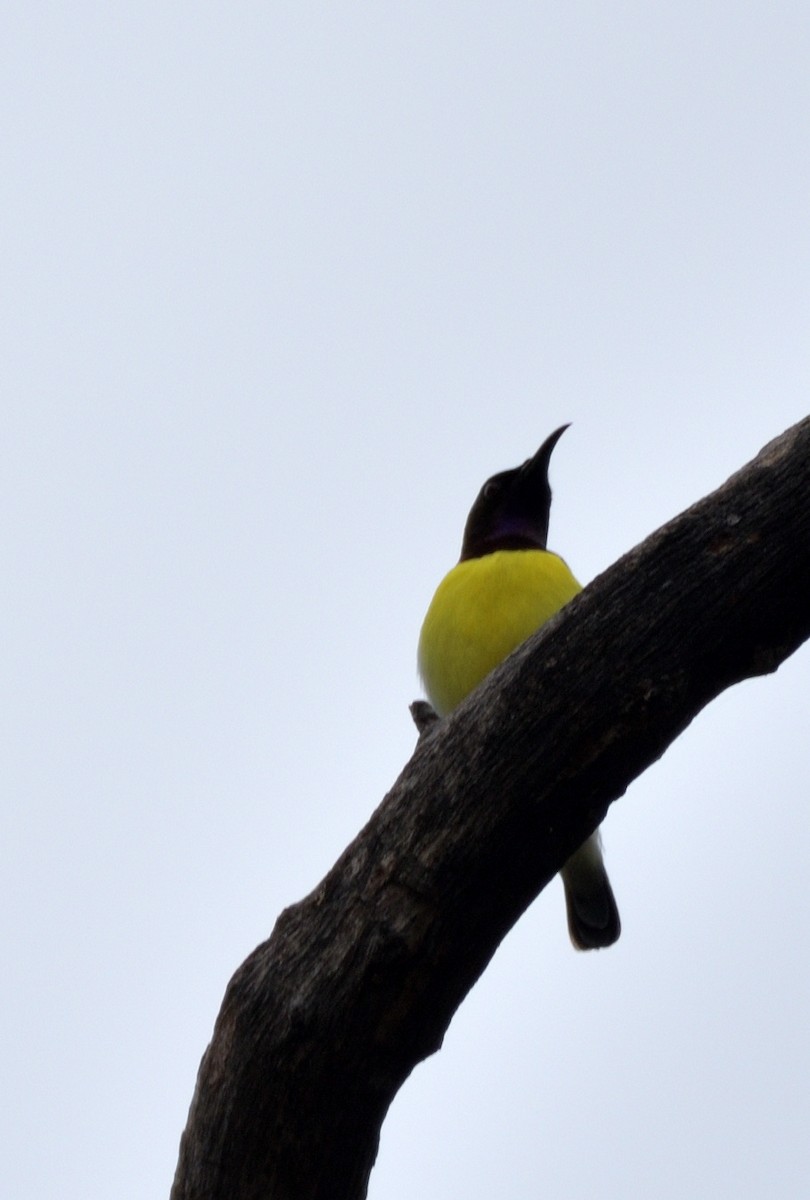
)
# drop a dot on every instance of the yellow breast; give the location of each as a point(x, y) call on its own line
point(482, 611)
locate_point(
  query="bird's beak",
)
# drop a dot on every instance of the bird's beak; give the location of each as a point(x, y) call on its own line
point(536, 467)
point(534, 471)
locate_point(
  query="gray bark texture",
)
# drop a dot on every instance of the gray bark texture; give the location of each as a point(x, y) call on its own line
point(358, 983)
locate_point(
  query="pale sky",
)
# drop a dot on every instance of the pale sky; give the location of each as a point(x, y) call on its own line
point(282, 284)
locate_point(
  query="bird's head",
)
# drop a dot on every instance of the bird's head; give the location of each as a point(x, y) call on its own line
point(512, 509)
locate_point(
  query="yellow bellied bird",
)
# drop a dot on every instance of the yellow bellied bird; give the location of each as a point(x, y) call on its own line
point(505, 586)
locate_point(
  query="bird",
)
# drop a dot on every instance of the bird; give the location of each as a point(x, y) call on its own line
point(506, 584)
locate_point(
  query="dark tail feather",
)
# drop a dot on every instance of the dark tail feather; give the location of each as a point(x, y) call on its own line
point(593, 916)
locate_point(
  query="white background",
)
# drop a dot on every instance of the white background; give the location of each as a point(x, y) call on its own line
point(282, 283)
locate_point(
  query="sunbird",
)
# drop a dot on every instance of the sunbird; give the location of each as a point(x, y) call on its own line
point(505, 585)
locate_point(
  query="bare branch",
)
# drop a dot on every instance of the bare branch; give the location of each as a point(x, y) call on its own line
point(359, 981)
point(424, 716)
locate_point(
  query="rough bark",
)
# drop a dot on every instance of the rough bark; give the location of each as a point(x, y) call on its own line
point(358, 982)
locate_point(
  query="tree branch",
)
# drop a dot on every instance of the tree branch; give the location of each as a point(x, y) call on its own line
point(358, 983)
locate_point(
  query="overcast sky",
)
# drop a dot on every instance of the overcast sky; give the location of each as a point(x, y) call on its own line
point(282, 284)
